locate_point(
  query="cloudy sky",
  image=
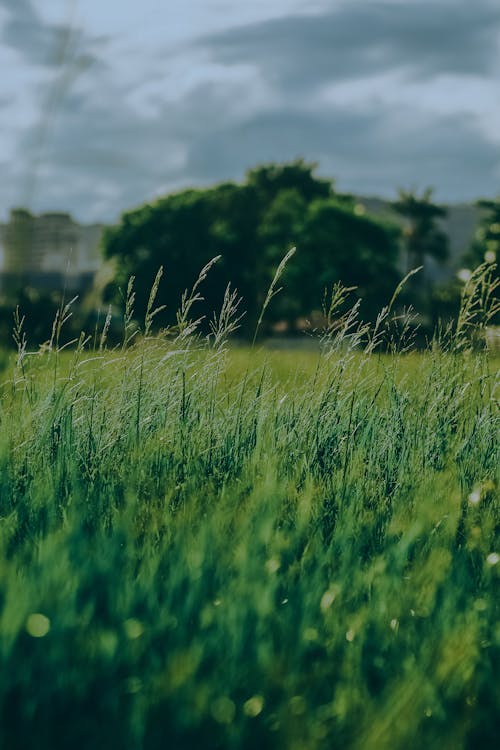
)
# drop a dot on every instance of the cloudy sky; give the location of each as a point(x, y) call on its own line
point(106, 104)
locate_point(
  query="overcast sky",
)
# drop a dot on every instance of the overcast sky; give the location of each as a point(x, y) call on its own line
point(104, 105)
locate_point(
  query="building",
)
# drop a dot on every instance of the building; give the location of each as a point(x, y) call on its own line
point(49, 252)
point(460, 225)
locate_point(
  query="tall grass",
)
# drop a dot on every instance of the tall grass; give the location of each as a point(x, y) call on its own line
point(203, 548)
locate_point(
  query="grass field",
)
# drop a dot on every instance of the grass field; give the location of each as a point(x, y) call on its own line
point(203, 547)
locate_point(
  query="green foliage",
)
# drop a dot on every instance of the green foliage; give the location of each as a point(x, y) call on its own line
point(251, 226)
point(485, 247)
point(210, 548)
point(423, 237)
point(39, 309)
point(338, 245)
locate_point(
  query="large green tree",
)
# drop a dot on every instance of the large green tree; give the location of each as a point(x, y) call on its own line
point(339, 244)
point(251, 225)
point(334, 243)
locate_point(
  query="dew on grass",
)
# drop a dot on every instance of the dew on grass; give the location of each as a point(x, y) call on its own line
point(327, 600)
point(37, 625)
point(474, 497)
point(133, 628)
point(273, 565)
point(253, 706)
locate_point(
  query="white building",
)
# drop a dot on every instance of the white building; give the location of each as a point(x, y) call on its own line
point(47, 251)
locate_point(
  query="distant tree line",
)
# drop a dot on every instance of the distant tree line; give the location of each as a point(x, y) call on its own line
point(251, 225)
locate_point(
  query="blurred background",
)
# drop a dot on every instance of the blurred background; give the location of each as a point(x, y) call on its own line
point(163, 134)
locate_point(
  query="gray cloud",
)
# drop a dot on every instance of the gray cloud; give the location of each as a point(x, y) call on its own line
point(102, 155)
point(107, 158)
point(47, 45)
point(373, 151)
point(423, 37)
point(17, 6)
point(6, 101)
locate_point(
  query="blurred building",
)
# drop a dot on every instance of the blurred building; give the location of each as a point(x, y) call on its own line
point(49, 252)
point(460, 225)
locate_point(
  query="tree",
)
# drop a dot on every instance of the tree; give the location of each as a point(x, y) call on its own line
point(423, 237)
point(336, 244)
point(252, 225)
point(485, 247)
point(174, 232)
point(269, 179)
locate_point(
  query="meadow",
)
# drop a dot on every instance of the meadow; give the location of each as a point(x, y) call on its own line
point(209, 546)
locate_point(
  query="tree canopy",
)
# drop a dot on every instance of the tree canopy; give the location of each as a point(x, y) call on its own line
point(252, 225)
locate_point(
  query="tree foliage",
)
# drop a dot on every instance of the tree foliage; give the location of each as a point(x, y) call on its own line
point(485, 247)
point(423, 236)
point(424, 240)
point(251, 225)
